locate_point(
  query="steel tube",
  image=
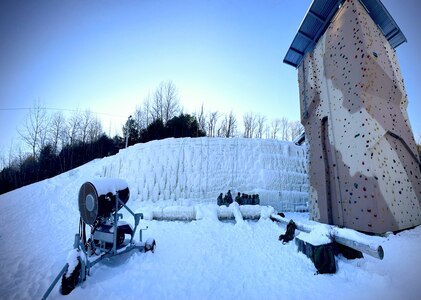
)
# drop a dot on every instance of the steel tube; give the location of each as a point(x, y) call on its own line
point(373, 250)
point(55, 281)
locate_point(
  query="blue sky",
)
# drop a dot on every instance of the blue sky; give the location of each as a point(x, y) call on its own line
point(107, 56)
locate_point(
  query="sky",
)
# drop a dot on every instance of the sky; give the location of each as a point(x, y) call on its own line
point(107, 56)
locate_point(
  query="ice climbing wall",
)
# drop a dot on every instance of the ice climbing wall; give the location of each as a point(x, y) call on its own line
point(197, 170)
point(363, 165)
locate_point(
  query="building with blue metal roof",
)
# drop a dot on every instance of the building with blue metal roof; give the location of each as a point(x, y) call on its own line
point(320, 15)
point(363, 166)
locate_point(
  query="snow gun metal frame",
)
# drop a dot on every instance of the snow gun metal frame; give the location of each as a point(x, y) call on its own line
point(99, 202)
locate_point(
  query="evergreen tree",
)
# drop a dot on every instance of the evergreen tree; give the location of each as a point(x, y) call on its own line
point(131, 131)
point(184, 125)
point(48, 163)
point(155, 131)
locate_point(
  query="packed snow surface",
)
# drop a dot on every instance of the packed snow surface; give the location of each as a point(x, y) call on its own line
point(202, 259)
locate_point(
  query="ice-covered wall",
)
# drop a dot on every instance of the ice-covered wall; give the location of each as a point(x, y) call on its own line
point(201, 168)
point(363, 166)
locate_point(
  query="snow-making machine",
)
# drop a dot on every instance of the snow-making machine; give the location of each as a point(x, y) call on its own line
point(99, 203)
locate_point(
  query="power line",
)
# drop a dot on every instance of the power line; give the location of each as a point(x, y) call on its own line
point(58, 109)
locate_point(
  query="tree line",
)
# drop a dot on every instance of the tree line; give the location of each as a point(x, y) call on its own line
point(163, 104)
point(58, 143)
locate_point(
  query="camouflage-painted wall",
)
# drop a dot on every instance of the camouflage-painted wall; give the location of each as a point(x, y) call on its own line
point(363, 171)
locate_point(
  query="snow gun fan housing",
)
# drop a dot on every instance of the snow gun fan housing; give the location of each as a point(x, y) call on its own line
point(97, 199)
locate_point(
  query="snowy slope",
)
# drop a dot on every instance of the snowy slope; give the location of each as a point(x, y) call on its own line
point(204, 259)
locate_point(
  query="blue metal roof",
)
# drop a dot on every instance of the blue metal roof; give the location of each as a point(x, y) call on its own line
point(318, 18)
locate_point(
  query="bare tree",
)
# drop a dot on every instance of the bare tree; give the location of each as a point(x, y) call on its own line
point(211, 124)
point(158, 103)
point(57, 125)
point(34, 131)
point(13, 157)
point(276, 126)
point(201, 120)
point(295, 128)
point(284, 123)
point(147, 111)
point(253, 127)
point(94, 130)
point(85, 122)
point(44, 134)
point(249, 122)
point(171, 103)
point(246, 124)
point(64, 134)
point(261, 121)
point(143, 115)
point(222, 129)
point(228, 126)
point(267, 132)
point(140, 118)
point(165, 104)
point(73, 128)
point(140, 121)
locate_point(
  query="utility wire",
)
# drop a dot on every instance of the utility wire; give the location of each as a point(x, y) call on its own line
point(58, 109)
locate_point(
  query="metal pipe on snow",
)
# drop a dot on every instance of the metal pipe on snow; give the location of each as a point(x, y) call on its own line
point(373, 250)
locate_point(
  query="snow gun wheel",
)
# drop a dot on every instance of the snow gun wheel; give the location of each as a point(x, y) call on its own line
point(150, 245)
point(68, 284)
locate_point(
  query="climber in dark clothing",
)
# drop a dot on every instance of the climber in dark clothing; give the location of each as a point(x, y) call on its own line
point(238, 198)
point(228, 198)
point(219, 200)
point(257, 200)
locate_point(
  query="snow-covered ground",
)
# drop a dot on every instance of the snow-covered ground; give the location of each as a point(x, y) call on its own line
point(203, 259)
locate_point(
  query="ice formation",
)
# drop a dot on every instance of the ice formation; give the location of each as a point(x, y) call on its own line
point(201, 168)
